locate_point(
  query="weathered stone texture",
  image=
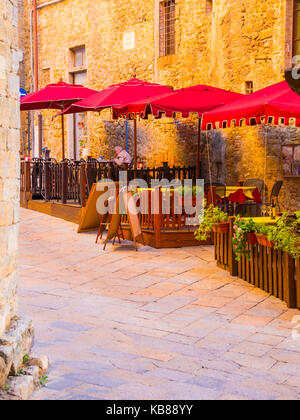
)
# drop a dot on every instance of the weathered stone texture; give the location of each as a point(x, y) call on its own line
point(9, 161)
point(241, 40)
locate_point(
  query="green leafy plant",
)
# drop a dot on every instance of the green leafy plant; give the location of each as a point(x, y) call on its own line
point(212, 217)
point(285, 235)
point(240, 241)
point(263, 229)
point(25, 359)
point(44, 380)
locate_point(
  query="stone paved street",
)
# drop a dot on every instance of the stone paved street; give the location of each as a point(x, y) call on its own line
point(157, 324)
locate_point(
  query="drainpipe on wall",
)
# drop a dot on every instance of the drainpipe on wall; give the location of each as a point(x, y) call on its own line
point(35, 47)
point(36, 74)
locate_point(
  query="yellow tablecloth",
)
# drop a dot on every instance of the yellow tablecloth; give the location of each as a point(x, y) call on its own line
point(263, 220)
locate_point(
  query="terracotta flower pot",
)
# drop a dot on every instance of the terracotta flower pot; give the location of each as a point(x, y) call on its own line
point(264, 241)
point(223, 228)
point(251, 238)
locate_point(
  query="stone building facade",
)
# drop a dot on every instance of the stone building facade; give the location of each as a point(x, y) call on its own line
point(16, 335)
point(9, 161)
point(242, 45)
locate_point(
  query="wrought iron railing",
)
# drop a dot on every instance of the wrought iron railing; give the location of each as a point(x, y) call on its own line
point(71, 181)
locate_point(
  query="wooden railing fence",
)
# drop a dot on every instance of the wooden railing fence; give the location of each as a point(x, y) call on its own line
point(273, 271)
point(71, 181)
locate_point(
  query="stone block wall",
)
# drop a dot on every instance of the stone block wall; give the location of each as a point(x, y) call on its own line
point(9, 160)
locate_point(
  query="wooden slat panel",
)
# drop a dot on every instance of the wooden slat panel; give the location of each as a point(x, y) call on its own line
point(270, 271)
point(275, 273)
point(226, 249)
point(244, 268)
point(256, 268)
point(252, 265)
point(240, 270)
point(261, 267)
point(280, 276)
point(222, 249)
point(298, 282)
point(265, 269)
point(216, 245)
point(248, 274)
point(289, 281)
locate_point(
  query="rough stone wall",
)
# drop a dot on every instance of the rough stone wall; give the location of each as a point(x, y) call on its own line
point(9, 160)
point(241, 40)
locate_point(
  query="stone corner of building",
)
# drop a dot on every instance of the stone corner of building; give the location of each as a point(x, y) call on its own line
point(20, 371)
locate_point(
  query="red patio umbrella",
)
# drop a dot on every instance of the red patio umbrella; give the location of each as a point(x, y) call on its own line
point(118, 95)
point(276, 104)
point(196, 99)
point(55, 96)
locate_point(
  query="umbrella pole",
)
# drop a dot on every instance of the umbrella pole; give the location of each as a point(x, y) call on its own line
point(135, 142)
point(63, 136)
point(199, 149)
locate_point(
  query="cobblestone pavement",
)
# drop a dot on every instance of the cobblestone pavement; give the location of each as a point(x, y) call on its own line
point(157, 324)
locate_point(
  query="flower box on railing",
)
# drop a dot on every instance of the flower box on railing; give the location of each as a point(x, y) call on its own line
point(252, 238)
point(263, 240)
point(222, 228)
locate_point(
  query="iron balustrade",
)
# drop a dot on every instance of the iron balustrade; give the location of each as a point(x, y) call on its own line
point(71, 181)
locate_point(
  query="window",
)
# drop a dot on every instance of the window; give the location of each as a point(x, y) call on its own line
point(296, 41)
point(167, 28)
point(78, 54)
point(249, 88)
point(209, 6)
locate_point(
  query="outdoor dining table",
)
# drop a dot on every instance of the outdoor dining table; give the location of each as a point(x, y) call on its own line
point(239, 195)
point(263, 220)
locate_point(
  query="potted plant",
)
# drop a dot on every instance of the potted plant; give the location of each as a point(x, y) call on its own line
point(243, 237)
point(265, 235)
point(213, 218)
point(286, 235)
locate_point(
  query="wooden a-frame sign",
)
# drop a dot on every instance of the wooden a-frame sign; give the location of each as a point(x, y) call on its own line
point(115, 225)
point(133, 218)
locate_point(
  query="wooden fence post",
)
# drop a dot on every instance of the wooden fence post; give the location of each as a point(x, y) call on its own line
point(64, 168)
point(289, 281)
point(27, 185)
point(83, 184)
point(233, 265)
point(298, 282)
point(157, 217)
point(47, 181)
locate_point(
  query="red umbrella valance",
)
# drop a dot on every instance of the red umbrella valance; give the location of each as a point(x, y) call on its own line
point(196, 99)
point(276, 104)
point(118, 95)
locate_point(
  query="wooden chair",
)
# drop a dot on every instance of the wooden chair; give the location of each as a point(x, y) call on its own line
point(275, 193)
point(259, 184)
